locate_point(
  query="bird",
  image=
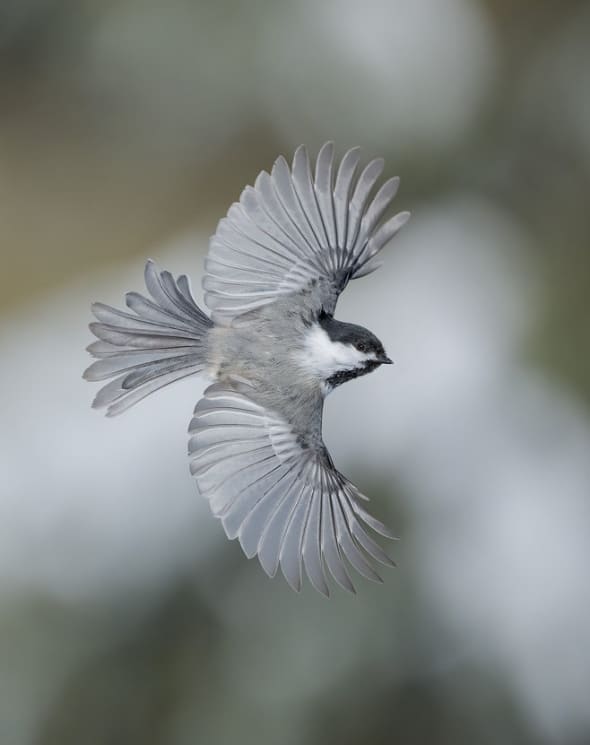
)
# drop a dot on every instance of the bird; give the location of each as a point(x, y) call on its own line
point(271, 351)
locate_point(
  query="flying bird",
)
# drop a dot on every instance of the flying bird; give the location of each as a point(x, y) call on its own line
point(272, 351)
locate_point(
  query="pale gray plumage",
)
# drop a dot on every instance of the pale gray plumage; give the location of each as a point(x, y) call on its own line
point(162, 343)
point(280, 236)
point(250, 465)
point(276, 266)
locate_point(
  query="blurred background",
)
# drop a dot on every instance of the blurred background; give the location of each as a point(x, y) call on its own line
point(126, 131)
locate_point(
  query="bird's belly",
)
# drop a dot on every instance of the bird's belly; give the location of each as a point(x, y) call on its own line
point(249, 353)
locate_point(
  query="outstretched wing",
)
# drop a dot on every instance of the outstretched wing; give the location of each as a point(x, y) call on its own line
point(294, 232)
point(285, 503)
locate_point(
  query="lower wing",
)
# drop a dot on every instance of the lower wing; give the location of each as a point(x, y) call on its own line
point(286, 504)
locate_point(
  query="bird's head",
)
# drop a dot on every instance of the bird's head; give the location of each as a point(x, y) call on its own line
point(335, 352)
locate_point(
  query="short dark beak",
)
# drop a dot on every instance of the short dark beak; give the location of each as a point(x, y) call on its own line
point(384, 360)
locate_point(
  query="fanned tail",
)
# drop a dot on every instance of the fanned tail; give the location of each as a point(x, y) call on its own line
point(164, 339)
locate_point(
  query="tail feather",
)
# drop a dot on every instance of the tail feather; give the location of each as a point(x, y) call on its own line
point(163, 340)
point(136, 359)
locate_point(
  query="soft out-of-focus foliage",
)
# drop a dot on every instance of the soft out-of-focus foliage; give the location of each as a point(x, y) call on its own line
point(126, 130)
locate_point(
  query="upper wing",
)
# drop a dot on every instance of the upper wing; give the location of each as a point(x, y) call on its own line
point(292, 228)
point(285, 503)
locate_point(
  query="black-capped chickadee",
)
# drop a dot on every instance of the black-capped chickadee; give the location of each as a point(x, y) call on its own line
point(273, 349)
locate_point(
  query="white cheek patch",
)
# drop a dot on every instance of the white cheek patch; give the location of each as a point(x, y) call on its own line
point(323, 357)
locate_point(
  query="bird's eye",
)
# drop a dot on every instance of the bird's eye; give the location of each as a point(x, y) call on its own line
point(362, 347)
